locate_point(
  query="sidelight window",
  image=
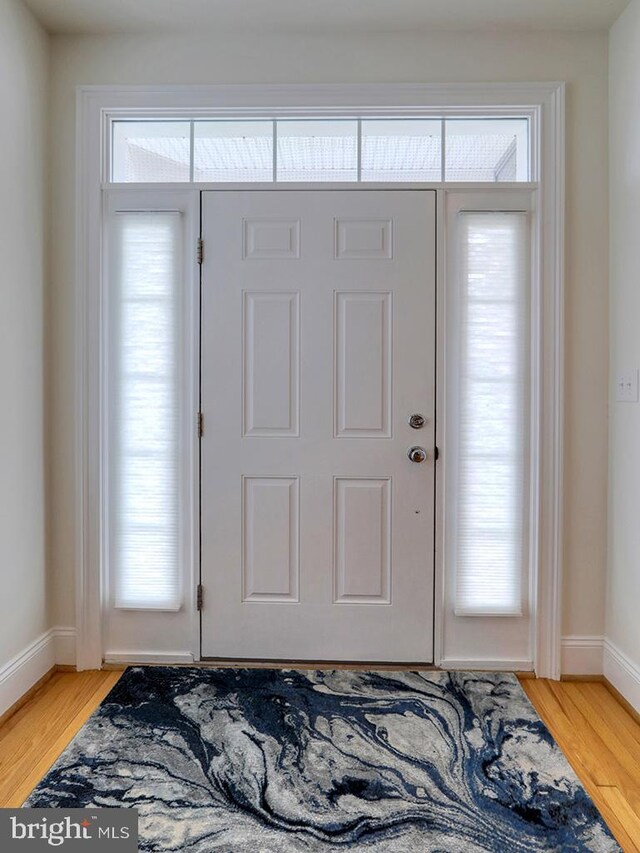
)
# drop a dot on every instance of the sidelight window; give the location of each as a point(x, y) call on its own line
point(145, 332)
point(490, 391)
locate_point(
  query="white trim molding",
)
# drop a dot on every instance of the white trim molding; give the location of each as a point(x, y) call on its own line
point(582, 655)
point(65, 645)
point(499, 665)
point(18, 675)
point(622, 673)
point(548, 592)
point(133, 658)
point(542, 102)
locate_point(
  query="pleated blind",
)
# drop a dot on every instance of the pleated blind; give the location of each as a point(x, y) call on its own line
point(492, 405)
point(144, 345)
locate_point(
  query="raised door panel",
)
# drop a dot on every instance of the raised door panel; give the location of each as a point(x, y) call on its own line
point(271, 355)
point(268, 239)
point(270, 539)
point(364, 239)
point(362, 540)
point(363, 365)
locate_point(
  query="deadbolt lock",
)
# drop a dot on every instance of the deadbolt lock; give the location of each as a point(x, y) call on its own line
point(416, 421)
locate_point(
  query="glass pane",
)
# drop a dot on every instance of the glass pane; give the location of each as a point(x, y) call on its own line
point(233, 151)
point(487, 149)
point(493, 375)
point(151, 151)
point(402, 150)
point(318, 150)
point(144, 333)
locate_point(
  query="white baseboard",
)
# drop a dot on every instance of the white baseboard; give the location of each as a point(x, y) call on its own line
point(582, 655)
point(17, 676)
point(20, 673)
point(510, 665)
point(65, 645)
point(148, 657)
point(622, 673)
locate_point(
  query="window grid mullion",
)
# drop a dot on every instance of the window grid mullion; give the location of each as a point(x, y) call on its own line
point(275, 150)
point(192, 146)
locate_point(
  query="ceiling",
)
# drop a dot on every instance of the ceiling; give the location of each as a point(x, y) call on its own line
point(323, 16)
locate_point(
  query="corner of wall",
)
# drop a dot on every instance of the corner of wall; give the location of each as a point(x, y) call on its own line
point(582, 655)
point(622, 673)
point(621, 650)
point(57, 646)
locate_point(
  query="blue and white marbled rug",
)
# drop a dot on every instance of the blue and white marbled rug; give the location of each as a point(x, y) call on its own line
point(273, 761)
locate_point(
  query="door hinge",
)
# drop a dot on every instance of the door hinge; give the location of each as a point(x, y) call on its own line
point(436, 454)
point(200, 424)
point(199, 597)
point(200, 250)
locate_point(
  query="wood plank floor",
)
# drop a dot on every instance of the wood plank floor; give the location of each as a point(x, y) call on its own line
point(32, 739)
point(599, 737)
point(602, 742)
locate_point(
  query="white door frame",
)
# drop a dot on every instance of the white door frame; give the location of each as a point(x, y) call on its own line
point(542, 102)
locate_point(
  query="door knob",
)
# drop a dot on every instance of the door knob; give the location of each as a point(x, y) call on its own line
point(417, 454)
point(416, 421)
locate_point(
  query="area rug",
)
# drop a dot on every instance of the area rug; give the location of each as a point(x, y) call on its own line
point(288, 761)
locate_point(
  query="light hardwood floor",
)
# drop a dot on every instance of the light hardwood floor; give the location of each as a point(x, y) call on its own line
point(32, 739)
point(600, 738)
point(602, 742)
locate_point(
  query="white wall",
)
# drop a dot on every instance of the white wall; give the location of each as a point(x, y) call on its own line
point(579, 59)
point(24, 71)
point(622, 651)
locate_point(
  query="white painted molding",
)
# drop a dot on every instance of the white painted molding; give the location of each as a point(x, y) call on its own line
point(148, 657)
point(20, 673)
point(582, 655)
point(65, 645)
point(543, 102)
point(17, 676)
point(622, 673)
point(87, 387)
point(548, 593)
point(474, 664)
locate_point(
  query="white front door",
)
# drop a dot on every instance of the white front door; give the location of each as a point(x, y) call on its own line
point(318, 344)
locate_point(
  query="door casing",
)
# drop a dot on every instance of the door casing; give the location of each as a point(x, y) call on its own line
point(99, 105)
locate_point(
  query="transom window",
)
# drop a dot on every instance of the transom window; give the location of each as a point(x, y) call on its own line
point(432, 150)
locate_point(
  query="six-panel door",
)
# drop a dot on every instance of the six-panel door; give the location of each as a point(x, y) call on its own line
point(318, 344)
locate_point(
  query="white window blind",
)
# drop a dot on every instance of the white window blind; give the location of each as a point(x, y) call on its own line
point(144, 331)
point(493, 392)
